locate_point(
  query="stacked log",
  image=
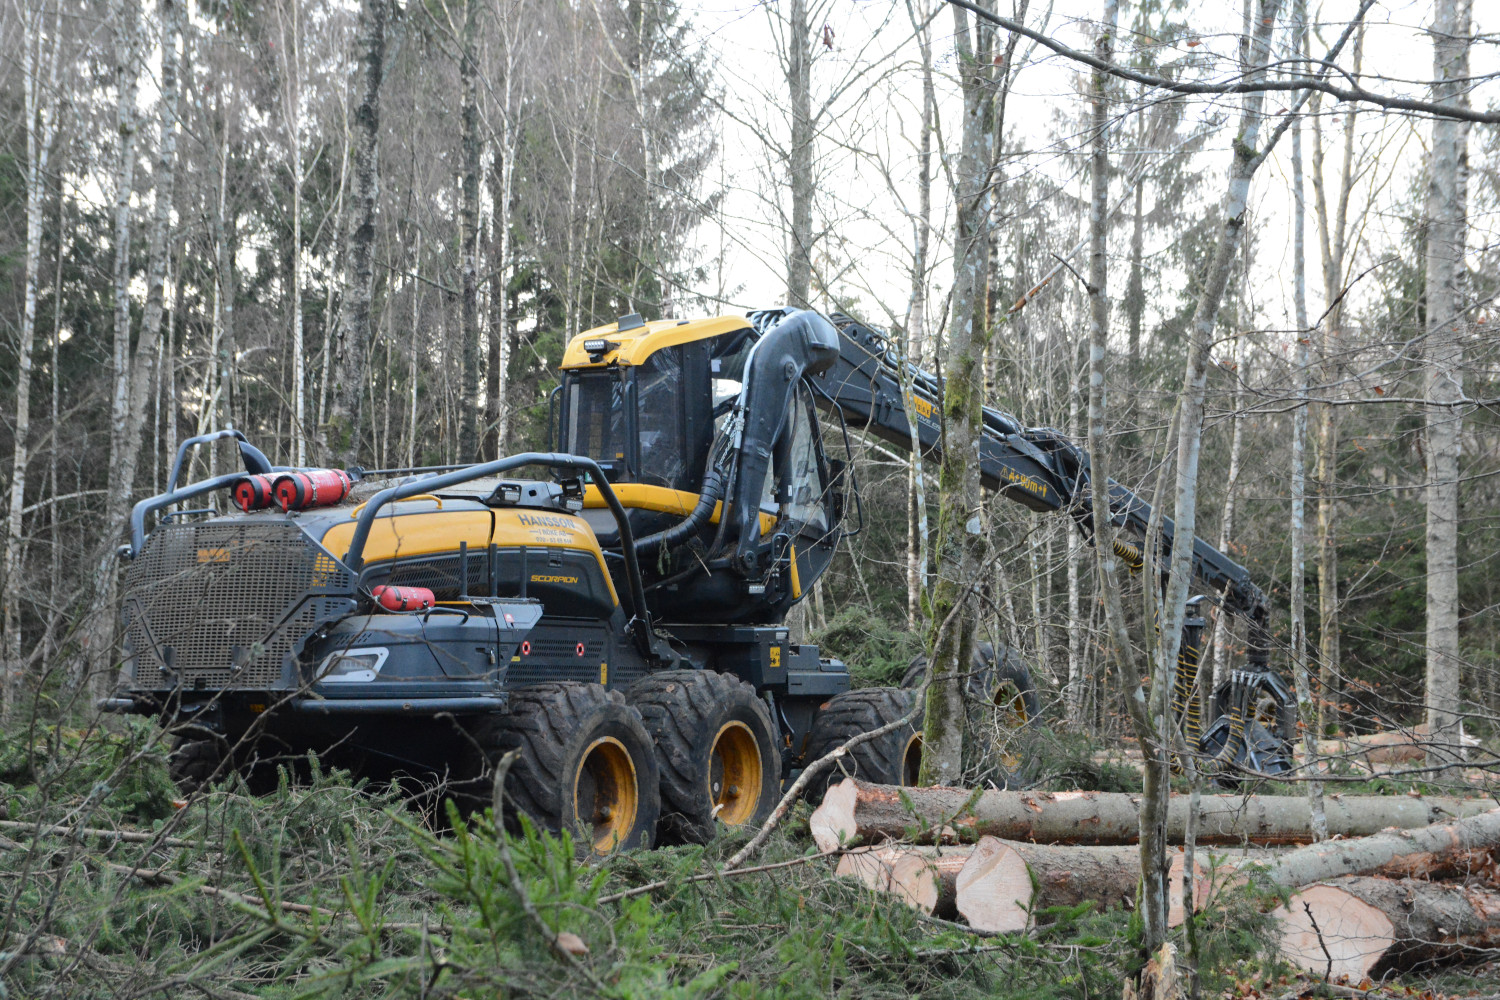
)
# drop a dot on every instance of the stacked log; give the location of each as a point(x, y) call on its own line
point(856, 812)
point(922, 878)
point(1374, 901)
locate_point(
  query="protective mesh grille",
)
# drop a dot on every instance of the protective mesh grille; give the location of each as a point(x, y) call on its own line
point(222, 604)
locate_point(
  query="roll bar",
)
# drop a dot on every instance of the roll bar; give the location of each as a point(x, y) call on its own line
point(256, 463)
point(354, 557)
point(140, 510)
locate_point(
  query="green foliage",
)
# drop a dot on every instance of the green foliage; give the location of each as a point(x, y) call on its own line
point(123, 773)
point(1074, 762)
point(877, 650)
point(395, 898)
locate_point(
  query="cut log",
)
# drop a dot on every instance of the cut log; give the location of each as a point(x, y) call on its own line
point(922, 877)
point(1394, 747)
point(855, 812)
point(1362, 926)
point(1436, 851)
point(1007, 884)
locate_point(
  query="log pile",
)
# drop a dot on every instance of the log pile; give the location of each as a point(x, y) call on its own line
point(1408, 881)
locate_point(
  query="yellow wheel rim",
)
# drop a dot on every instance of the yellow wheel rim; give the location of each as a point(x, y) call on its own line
point(911, 760)
point(606, 795)
point(1012, 718)
point(735, 774)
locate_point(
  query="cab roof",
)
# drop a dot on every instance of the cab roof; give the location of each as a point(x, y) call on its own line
point(634, 344)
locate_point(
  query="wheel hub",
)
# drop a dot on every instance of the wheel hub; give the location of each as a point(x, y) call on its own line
point(606, 795)
point(735, 774)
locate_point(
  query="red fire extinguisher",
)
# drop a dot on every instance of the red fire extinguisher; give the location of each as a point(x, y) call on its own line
point(317, 488)
point(403, 598)
point(252, 492)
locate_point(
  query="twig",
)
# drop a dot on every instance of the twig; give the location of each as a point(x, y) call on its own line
point(953, 925)
point(127, 836)
point(640, 890)
point(814, 769)
point(1328, 971)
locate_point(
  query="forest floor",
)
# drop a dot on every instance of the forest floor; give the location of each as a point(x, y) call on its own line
point(323, 888)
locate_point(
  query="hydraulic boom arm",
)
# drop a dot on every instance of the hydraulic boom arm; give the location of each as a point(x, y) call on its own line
point(1035, 466)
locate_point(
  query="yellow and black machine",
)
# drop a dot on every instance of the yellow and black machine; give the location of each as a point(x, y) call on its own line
point(619, 619)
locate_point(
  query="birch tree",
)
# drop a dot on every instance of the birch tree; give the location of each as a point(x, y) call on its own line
point(961, 544)
point(1447, 197)
point(799, 91)
point(469, 153)
point(1333, 237)
point(915, 327)
point(126, 26)
point(39, 87)
point(1306, 707)
point(352, 339)
point(290, 51)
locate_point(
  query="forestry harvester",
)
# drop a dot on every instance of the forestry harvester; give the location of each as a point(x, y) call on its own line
point(620, 620)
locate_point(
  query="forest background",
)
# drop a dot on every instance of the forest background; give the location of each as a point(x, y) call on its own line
point(362, 232)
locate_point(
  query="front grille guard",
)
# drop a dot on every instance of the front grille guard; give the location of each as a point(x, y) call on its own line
point(225, 605)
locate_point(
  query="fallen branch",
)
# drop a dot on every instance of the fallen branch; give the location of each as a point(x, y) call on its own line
point(125, 836)
point(641, 890)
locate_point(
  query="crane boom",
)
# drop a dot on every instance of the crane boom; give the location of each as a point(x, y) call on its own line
point(1038, 467)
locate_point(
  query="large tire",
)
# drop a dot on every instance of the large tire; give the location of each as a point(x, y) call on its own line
point(992, 679)
point(892, 759)
point(715, 748)
point(1004, 713)
point(192, 764)
point(586, 763)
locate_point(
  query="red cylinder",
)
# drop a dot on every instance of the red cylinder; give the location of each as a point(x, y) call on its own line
point(402, 598)
point(317, 488)
point(252, 492)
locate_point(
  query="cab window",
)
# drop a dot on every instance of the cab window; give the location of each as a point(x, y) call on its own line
point(804, 478)
point(597, 421)
point(660, 392)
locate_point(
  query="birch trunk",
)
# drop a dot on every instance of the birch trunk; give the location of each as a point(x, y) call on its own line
point(799, 86)
point(1447, 198)
point(351, 347)
point(917, 557)
point(961, 541)
point(143, 370)
point(292, 111)
point(468, 435)
point(1306, 707)
point(504, 335)
point(39, 98)
point(1078, 683)
point(1332, 245)
point(326, 368)
point(1222, 652)
point(99, 641)
point(1247, 157)
point(1150, 818)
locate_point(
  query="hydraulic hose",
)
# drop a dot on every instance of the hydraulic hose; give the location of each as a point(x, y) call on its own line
point(708, 499)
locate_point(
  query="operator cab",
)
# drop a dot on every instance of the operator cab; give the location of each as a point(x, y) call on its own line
point(650, 402)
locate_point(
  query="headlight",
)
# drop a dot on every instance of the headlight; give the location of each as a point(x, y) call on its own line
point(352, 666)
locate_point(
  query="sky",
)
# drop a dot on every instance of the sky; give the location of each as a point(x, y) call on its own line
point(867, 159)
